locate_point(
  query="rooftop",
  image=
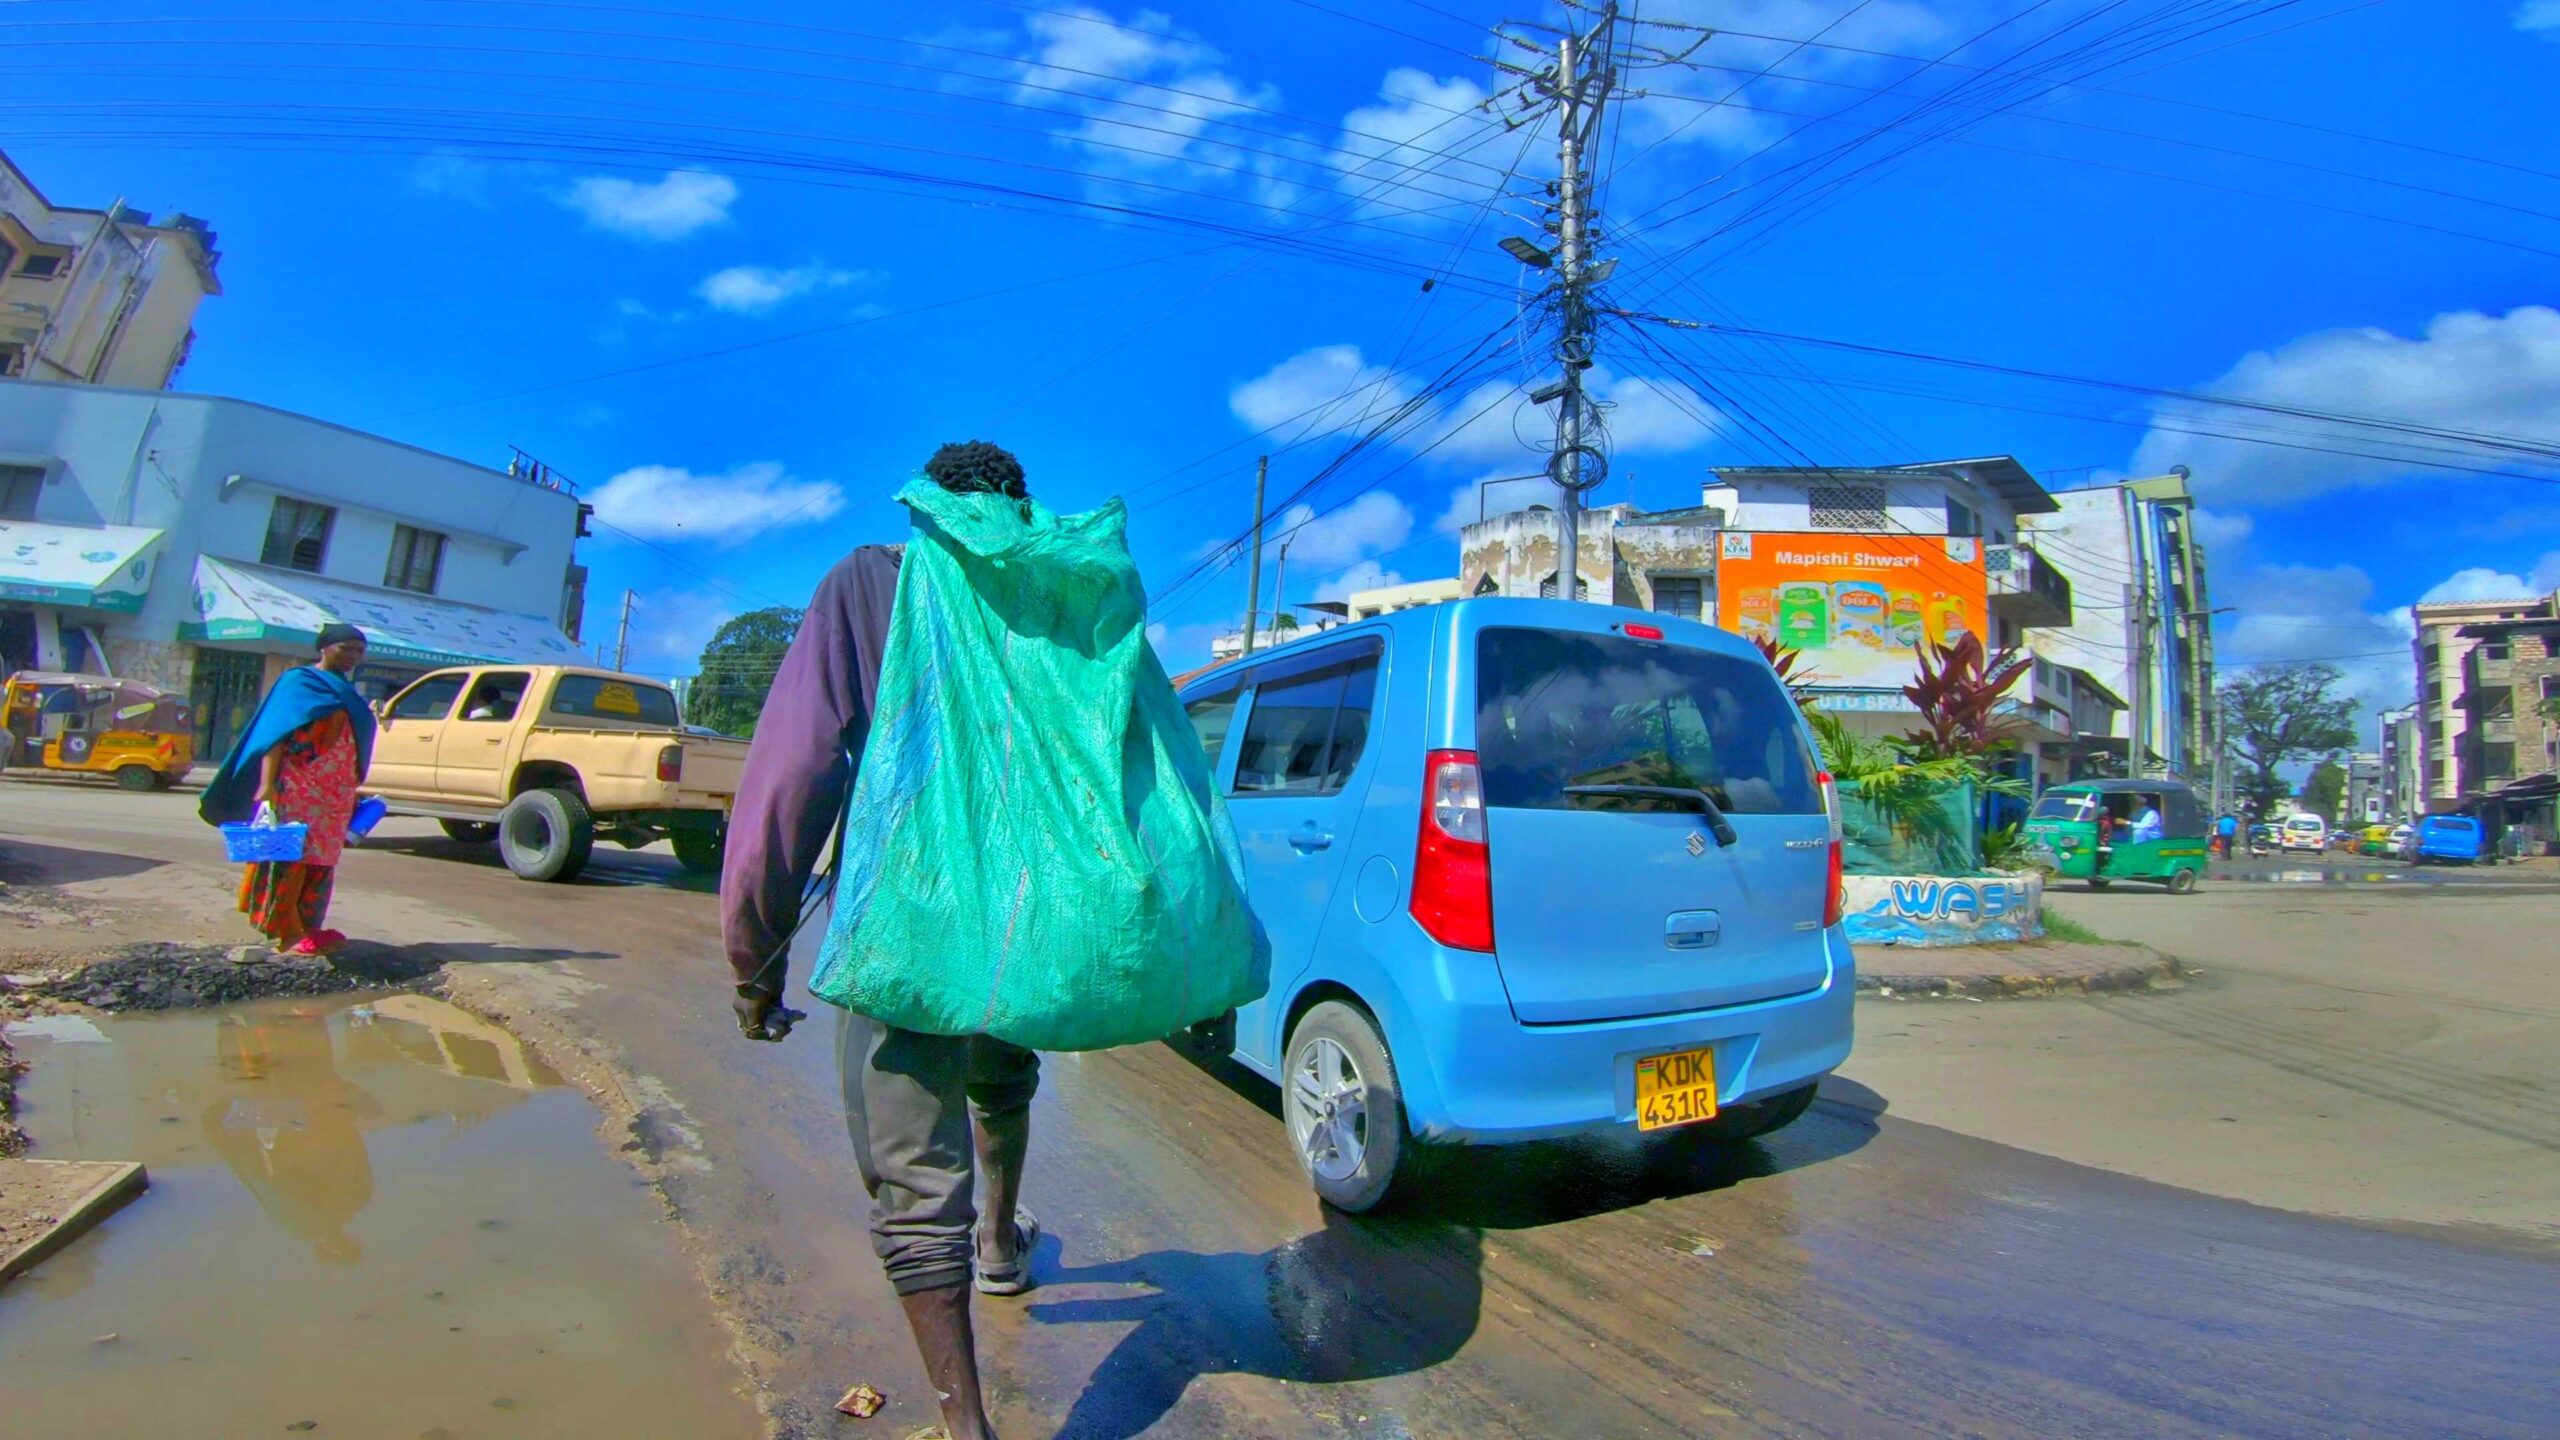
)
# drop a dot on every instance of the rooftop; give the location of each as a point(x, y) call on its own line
point(2002, 475)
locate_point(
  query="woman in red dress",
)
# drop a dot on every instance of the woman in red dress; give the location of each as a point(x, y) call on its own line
point(307, 749)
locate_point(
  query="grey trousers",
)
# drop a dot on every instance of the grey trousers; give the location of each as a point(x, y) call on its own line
point(908, 1102)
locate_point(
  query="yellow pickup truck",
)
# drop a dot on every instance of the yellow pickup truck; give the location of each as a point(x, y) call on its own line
point(547, 759)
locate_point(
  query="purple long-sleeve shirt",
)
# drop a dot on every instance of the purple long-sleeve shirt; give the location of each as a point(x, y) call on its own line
point(817, 714)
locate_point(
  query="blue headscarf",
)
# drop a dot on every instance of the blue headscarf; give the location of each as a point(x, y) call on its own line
point(305, 693)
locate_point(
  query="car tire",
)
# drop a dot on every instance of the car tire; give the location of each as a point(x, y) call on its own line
point(469, 832)
point(2182, 882)
point(1344, 1111)
point(547, 835)
point(698, 851)
point(136, 777)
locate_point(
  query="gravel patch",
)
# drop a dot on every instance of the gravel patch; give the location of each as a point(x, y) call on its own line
point(175, 977)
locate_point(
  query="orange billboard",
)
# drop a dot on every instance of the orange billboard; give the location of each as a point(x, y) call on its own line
point(1857, 606)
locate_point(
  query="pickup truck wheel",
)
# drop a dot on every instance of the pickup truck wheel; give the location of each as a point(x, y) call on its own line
point(547, 834)
point(470, 832)
point(698, 851)
point(1345, 1112)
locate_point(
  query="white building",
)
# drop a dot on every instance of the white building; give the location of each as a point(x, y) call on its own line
point(101, 297)
point(198, 543)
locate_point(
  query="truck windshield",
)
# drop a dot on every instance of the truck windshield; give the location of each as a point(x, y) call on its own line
point(600, 697)
point(1557, 708)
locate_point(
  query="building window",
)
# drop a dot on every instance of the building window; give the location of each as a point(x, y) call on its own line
point(1547, 588)
point(2493, 649)
point(20, 485)
point(13, 359)
point(417, 556)
point(298, 535)
point(1960, 518)
point(2498, 761)
point(1845, 507)
point(1681, 595)
point(42, 264)
point(2551, 687)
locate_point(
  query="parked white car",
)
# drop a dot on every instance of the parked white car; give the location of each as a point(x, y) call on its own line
point(2303, 832)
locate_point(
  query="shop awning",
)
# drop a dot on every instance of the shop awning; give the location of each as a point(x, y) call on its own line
point(258, 604)
point(91, 567)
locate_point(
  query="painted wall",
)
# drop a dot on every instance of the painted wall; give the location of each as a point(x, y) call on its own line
point(155, 459)
point(1926, 910)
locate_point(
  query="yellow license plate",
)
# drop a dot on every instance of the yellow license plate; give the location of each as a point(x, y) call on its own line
point(1675, 1089)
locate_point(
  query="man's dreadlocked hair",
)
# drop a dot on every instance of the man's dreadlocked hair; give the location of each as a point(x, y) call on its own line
point(976, 467)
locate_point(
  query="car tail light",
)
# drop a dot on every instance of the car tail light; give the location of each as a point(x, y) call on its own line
point(1835, 899)
point(1641, 632)
point(671, 764)
point(1452, 866)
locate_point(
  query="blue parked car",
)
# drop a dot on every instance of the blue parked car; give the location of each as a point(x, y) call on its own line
point(2450, 839)
point(1528, 868)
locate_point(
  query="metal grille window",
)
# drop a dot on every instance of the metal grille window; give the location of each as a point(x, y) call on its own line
point(1547, 588)
point(417, 557)
point(1846, 507)
point(1681, 595)
point(20, 485)
point(297, 535)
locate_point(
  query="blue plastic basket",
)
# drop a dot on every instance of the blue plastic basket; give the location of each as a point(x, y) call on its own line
point(264, 844)
point(369, 813)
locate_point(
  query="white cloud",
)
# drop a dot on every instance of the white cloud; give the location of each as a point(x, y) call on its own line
point(2312, 612)
point(1324, 391)
point(2223, 530)
point(1367, 575)
point(1416, 147)
point(1373, 523)
point(666, 209)
point(1489, 495)
point(1710, 106)
point(2539, 17)
point(1653, 417)
point(662, 502)
point(2478, 582)
point(1147, 94)
point(670, 627)
point(454, 177)
point(1185, 647)
point(2469, 371)
point(754, 289)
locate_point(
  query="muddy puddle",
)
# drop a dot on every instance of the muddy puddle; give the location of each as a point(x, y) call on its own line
point(368, 1216)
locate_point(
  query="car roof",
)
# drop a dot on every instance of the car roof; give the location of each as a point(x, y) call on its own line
point(1419, 621)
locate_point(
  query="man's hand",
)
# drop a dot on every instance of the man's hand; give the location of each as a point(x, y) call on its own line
point(762, 1015)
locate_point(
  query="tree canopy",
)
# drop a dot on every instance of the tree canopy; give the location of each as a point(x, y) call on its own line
point(2325, 793)
point(738, 667)
point(2277, 714)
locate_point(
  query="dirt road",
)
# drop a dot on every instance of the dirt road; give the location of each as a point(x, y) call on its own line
point(1862, 1274)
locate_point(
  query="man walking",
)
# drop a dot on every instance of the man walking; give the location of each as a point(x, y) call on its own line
point(932, 1117)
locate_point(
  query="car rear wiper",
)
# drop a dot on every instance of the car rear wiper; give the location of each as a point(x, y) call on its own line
point(1690, 793)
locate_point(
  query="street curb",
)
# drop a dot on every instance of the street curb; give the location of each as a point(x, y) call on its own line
point(118, 1182)
point(2150, 969)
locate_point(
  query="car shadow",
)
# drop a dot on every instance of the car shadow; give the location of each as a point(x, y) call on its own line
point(611, 865)
point(1365, 1298)
point(378, 963)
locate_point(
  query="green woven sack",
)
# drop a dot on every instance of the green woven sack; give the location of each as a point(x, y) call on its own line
point(1033, 850)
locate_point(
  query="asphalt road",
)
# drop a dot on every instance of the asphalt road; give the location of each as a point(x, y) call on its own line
point(1861, 1274)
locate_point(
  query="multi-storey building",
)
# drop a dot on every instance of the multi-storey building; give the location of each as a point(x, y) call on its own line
point(97, 297)
point(2442, 649)
point(2145, 624)
point(2509, 754)
point(2401, 764)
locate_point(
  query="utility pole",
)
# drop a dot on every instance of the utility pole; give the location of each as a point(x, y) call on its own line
point(622, 640)
point(1581, 93)
point(1253, 575)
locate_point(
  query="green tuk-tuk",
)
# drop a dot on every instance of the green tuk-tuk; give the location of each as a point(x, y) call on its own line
point(2085, 830)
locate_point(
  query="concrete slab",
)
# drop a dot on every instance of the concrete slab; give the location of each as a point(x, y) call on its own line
point(47, 1204)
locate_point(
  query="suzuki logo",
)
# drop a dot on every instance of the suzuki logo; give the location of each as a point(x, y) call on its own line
point(1697, 843)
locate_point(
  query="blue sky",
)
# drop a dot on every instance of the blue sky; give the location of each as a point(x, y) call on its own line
point(737, 277)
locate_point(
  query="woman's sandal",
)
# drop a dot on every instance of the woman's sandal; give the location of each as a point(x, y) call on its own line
point(1014, 1277)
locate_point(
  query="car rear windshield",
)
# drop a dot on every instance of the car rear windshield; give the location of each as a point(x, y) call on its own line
point(598, 697)
point(1556, 708)
point(2306, 822)
point(2464, 824)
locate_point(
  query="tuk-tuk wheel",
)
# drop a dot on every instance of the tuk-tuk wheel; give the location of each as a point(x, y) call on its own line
point(2182, 882)
point(137, 777)
point(2098, 882)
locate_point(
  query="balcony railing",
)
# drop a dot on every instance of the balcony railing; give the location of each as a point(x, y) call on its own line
point(2025, 589)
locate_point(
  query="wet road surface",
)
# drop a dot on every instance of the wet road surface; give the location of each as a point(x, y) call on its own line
point(1856, 1275)
point(379, 1215)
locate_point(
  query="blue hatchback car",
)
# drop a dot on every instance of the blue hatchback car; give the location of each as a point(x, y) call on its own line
point(2446, 839)
point(1528, 868)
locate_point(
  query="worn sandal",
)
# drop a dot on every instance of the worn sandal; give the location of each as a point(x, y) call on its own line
point(1014, 1277)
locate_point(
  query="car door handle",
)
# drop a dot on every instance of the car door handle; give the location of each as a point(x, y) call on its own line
point(1308, 837)
point(495, 740)
point(1692, 929)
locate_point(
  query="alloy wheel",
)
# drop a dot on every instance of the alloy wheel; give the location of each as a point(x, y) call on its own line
point(1329, 1109)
